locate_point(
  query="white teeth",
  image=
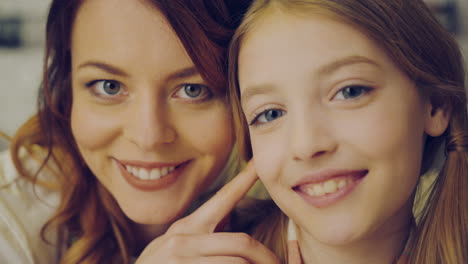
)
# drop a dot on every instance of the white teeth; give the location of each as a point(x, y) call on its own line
point(152, 174)
point(318, 190)
point(143, 174)
point(341, 183)
point(327, 187)
point(155, 174)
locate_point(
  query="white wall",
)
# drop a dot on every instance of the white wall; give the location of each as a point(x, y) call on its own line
point(20, 68)
point(463, 4)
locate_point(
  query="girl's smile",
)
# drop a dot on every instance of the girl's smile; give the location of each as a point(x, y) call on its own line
point(324, 188)
point(317, 92)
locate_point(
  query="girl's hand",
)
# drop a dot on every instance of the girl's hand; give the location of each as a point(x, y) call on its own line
point(192, 238)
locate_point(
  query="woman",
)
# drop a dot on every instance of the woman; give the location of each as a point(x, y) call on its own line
point(132, 128)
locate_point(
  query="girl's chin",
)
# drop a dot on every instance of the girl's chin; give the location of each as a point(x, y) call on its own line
point(335, 235)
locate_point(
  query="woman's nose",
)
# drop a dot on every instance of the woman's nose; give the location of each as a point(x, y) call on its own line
point(149, 124)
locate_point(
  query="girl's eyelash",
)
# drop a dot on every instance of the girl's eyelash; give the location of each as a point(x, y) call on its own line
point(258, 114)
point(254, 120)
point(364, 89)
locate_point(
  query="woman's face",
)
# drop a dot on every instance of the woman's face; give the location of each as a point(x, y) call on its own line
point(146, 123)
point(337, 130)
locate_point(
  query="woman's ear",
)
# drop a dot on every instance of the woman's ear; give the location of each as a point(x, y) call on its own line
point(437, 119)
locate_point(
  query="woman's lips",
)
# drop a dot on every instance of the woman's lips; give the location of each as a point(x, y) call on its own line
point(150, 176)
point(326, 188)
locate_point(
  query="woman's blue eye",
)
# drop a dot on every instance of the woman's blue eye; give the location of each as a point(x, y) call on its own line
point(351, 92)
point(105, 87)
point(194, 92)
point(267, 116)
point(111, 87)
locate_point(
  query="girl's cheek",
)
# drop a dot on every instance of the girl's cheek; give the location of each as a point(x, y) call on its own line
point(268, 157)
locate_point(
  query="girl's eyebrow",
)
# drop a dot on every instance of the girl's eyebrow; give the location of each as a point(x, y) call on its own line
point(255, 90)
point(326, 69)
point(346, 61)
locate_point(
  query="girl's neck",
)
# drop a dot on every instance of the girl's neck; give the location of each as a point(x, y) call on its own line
point(383, 246)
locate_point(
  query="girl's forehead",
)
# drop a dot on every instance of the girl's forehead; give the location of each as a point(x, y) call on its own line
point(285, 41)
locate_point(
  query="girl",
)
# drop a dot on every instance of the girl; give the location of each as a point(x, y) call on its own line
point(346, 103)
point(132, 128)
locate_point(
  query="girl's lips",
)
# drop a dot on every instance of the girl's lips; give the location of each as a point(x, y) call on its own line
point(150, 185)
point(324, 189)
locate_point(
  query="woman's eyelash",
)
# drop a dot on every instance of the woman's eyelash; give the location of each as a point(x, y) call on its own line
point(196, 93)
point(105, 89)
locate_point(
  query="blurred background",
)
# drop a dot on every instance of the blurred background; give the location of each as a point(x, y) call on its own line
point(22, 26)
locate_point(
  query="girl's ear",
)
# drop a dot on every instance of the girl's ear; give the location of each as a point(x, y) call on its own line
point(437, 119)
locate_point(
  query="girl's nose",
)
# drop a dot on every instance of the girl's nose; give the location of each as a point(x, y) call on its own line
point(310, 136)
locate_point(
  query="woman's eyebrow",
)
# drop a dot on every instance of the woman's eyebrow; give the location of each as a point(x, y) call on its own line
point(179, 74)
point(104, 66)
point(183, 73)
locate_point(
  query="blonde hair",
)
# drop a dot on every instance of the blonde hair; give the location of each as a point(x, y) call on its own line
point(429, 55)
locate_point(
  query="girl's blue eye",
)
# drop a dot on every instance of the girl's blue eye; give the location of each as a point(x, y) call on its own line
point(267, 116)
point(350, 92)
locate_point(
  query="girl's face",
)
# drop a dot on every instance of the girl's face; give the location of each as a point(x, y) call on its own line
point(337, 129)
point(146, 123)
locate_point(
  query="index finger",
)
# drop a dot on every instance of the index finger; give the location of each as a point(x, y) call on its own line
point(206, 218)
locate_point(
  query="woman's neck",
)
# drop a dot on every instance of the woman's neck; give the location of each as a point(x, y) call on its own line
point(144, 234)
point(383, 246)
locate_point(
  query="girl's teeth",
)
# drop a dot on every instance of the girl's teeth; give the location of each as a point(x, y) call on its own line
point(327, 187)
point(318, 190)
point(341, 183)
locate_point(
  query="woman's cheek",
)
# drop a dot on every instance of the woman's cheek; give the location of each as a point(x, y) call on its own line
point(91, 129)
